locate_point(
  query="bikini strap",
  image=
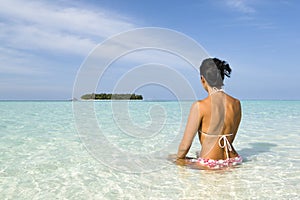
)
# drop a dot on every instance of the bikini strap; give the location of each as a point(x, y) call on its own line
point(215, 135)
point(226, 144)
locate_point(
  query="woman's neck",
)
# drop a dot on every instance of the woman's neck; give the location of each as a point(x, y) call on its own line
point(213, 90)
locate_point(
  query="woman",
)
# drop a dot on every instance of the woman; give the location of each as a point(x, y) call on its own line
point(216, 120)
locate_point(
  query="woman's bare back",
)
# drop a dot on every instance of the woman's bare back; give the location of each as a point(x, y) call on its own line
point(230, 124)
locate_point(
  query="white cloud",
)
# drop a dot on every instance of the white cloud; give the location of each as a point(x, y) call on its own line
point(17, 62)
point(47, 26)
point(33, 34)
point(240, 5)
point(30, 31)
point(34, 38)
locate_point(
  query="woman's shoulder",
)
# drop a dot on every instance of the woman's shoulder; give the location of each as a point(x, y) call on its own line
point(232, 99)
point(202, 104)
point(233, 103)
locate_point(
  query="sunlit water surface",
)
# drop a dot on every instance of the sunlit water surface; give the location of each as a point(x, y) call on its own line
point(43, 157)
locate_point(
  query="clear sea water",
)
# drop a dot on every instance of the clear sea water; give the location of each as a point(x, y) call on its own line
point(42, 155)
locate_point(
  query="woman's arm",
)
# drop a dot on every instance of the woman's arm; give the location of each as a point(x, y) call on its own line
point(237, 118)
point(190, 131)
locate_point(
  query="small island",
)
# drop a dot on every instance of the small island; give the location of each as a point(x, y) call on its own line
point(104, 96)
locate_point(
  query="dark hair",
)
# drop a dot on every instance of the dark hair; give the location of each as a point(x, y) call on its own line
point(214, 70)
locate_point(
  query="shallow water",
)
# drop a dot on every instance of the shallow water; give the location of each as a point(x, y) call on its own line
point(42, 156)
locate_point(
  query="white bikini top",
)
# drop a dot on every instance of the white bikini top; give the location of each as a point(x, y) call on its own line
point(226, 144)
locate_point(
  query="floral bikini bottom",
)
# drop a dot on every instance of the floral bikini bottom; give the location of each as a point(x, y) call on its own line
point(217, 164)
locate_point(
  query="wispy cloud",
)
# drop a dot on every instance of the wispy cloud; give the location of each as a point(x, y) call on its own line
point(241, 6)
point(36, 36)
point(247, 16)
point(44, 25)
point(16, 62)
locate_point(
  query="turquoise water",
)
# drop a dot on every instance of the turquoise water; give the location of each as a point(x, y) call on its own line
point(42, 155)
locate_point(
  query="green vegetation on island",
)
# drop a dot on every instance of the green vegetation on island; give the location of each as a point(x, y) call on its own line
point(104, 96)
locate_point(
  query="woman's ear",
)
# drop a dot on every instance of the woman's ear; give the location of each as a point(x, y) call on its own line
point(202, 80)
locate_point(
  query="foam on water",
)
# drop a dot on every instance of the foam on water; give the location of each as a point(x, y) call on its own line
point(41, 156)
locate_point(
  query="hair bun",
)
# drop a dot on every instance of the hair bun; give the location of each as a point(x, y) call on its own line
point(223, 66)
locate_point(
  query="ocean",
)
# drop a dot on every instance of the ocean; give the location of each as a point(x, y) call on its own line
point(62, 150)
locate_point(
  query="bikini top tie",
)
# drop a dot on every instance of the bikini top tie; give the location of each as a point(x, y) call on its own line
point(226, 144)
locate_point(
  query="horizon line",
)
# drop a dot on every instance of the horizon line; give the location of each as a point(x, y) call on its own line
point(242, 99)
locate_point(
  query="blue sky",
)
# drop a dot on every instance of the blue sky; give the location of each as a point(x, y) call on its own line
point(43, 43)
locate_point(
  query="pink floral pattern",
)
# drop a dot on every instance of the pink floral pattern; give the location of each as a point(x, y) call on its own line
point(217, 164)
